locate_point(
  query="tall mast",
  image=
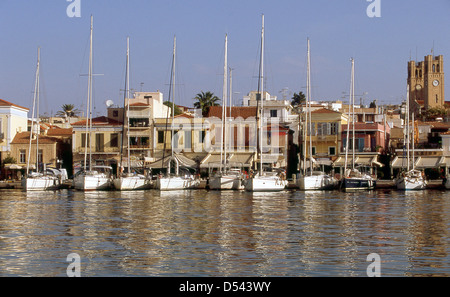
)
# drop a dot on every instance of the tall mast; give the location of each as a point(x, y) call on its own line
point(35, 105)
point(261, 118)
point(347, 141)
point(89, 106)
point(353, 113)
point(223, 148)
point(127, 95)
point(308, 98)
point(173, 88)
point(407, 128)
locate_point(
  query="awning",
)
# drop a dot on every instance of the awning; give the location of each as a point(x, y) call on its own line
point(182, 160)
point(361, 160)
point(212, 160)
point(15, 166)
point(420, 162)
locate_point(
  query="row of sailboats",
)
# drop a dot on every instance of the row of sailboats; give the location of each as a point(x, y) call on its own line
point(99, 177)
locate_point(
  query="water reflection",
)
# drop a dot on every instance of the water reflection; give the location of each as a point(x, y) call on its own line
point(228, 233)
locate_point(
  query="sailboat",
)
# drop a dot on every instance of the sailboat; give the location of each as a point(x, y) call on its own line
point(312, 179)
point(176, 181)
point(225, 178)
point(128, 180)
point(353, 178)
point(263, 181)
point(38, 181)
point(93, 177)
point(412, 179)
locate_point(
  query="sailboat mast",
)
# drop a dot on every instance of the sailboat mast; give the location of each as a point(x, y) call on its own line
point(353, 113)
point(35, 102)
point(412, 142)
point(308, 96)
point(127, 95)
point(261, 118)
point(223, 149)
point(347, 141)
point(89, 107)
point(407, 128)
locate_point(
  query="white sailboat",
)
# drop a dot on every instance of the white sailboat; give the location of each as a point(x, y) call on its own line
point(412, 179)
point(225, 178)
point(263, 181)
point(176, 181)
point(353, 178)
point(127, 180)
point(312, 179)
point(38, 181)
point(93, 177)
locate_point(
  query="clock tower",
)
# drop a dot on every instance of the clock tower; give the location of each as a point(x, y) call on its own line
point(426, 83)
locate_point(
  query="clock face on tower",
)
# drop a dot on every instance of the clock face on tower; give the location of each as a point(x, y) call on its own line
point(435, 83)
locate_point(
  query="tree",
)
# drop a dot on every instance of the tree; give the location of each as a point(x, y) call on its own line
point(68, 110)
point(177, 110)
point(435, 112)
point(298, 99)
point(205, 101)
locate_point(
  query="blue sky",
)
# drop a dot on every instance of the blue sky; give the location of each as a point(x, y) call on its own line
point(338, 30)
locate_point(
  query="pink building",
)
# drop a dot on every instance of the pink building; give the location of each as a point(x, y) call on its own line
point(369, 137)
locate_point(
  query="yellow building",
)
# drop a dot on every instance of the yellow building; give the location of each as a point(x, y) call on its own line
point(326, 136)
point(104, 142)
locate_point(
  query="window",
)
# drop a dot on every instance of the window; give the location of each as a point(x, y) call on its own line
point(160, 136)
point(83, 140)
point(201, 136)
point(187, 139)
point(22, 156)
point(333, 129)
point(273, 113)
point(115, 113)
point(114, 140)
point(40, 157)
point(99, 142)
point(332, 151)
point(313, 150)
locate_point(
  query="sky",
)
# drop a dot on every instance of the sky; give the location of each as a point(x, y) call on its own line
point(338, 31)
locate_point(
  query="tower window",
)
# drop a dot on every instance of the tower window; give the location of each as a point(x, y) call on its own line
point(437, 99)
point(434, 68)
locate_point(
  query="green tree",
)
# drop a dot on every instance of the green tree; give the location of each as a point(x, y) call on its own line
point(68, 110)
point(205, 100)
point(177, 110)
point(435, 112)
point(298, 99)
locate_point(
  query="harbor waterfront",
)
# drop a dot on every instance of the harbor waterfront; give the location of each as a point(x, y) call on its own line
point(224, 233)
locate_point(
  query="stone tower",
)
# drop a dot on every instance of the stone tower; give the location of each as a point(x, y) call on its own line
point(426, 83)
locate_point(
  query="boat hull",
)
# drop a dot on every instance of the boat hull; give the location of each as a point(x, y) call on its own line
point(317, 182)
point(44, 183)
point(408, 184)
point(225, 183)
point(357, 183)
point(176, 183)
point(97, 182)
point(128, 183)
point(265, 184)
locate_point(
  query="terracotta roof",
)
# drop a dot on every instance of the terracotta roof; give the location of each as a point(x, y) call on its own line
point(6, 103)
point(104, 121)
point(139, 104)
point(24, 138)
point(439, 125)
point(237, 111)
point(324, 110)
point(56, 131)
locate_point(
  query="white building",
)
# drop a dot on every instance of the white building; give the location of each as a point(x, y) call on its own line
point(13, 120)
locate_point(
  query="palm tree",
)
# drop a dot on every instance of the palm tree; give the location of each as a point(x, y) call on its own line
point(205, 100)
point(298, 99)
point(68, 110)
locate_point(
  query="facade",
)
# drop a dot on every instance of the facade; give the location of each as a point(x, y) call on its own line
point(50, 150)
point(104, 142)
point(426, 83)
point(13, 120)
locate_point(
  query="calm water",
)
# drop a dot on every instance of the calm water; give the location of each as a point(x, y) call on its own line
point(205, 233)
